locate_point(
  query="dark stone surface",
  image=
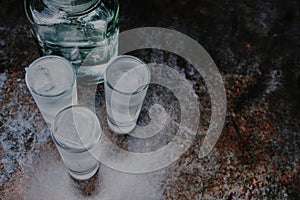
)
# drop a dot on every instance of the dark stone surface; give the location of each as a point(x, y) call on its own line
point(256, 46)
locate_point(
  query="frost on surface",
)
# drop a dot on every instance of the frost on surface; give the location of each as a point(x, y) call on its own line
point(19, 135)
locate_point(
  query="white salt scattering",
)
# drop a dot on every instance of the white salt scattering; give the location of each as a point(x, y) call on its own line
point(3, 79)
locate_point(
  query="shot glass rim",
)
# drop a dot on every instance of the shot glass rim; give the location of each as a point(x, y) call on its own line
point(141, 88)
point(67, 88)
point(83, 148)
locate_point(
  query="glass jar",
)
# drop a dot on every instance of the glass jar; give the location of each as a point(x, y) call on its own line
point(83, 31)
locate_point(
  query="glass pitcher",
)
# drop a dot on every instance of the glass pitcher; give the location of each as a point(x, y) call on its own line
point(83, 31)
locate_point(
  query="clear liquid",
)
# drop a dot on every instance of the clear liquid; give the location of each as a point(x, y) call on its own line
point(121, 115)
point(51, 106)
point(76, 133)
point(52, 83)
point(81, 165)
point(125, 89)
point(87, 40)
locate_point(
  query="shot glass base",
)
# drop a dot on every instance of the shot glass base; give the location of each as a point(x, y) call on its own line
point(120, 129)
point(85, 175)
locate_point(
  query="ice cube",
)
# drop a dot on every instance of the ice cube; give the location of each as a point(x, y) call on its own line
point(42, 81)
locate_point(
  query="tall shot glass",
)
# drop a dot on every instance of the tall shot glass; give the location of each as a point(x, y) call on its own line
point(76, 132)
point(52, 83)
point(126, 82)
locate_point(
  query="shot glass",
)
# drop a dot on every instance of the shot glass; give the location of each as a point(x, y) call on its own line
point(52, 83)
point(126, 81)
point(76, 132)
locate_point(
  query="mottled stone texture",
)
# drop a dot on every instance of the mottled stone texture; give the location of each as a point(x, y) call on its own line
point(256, 46)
